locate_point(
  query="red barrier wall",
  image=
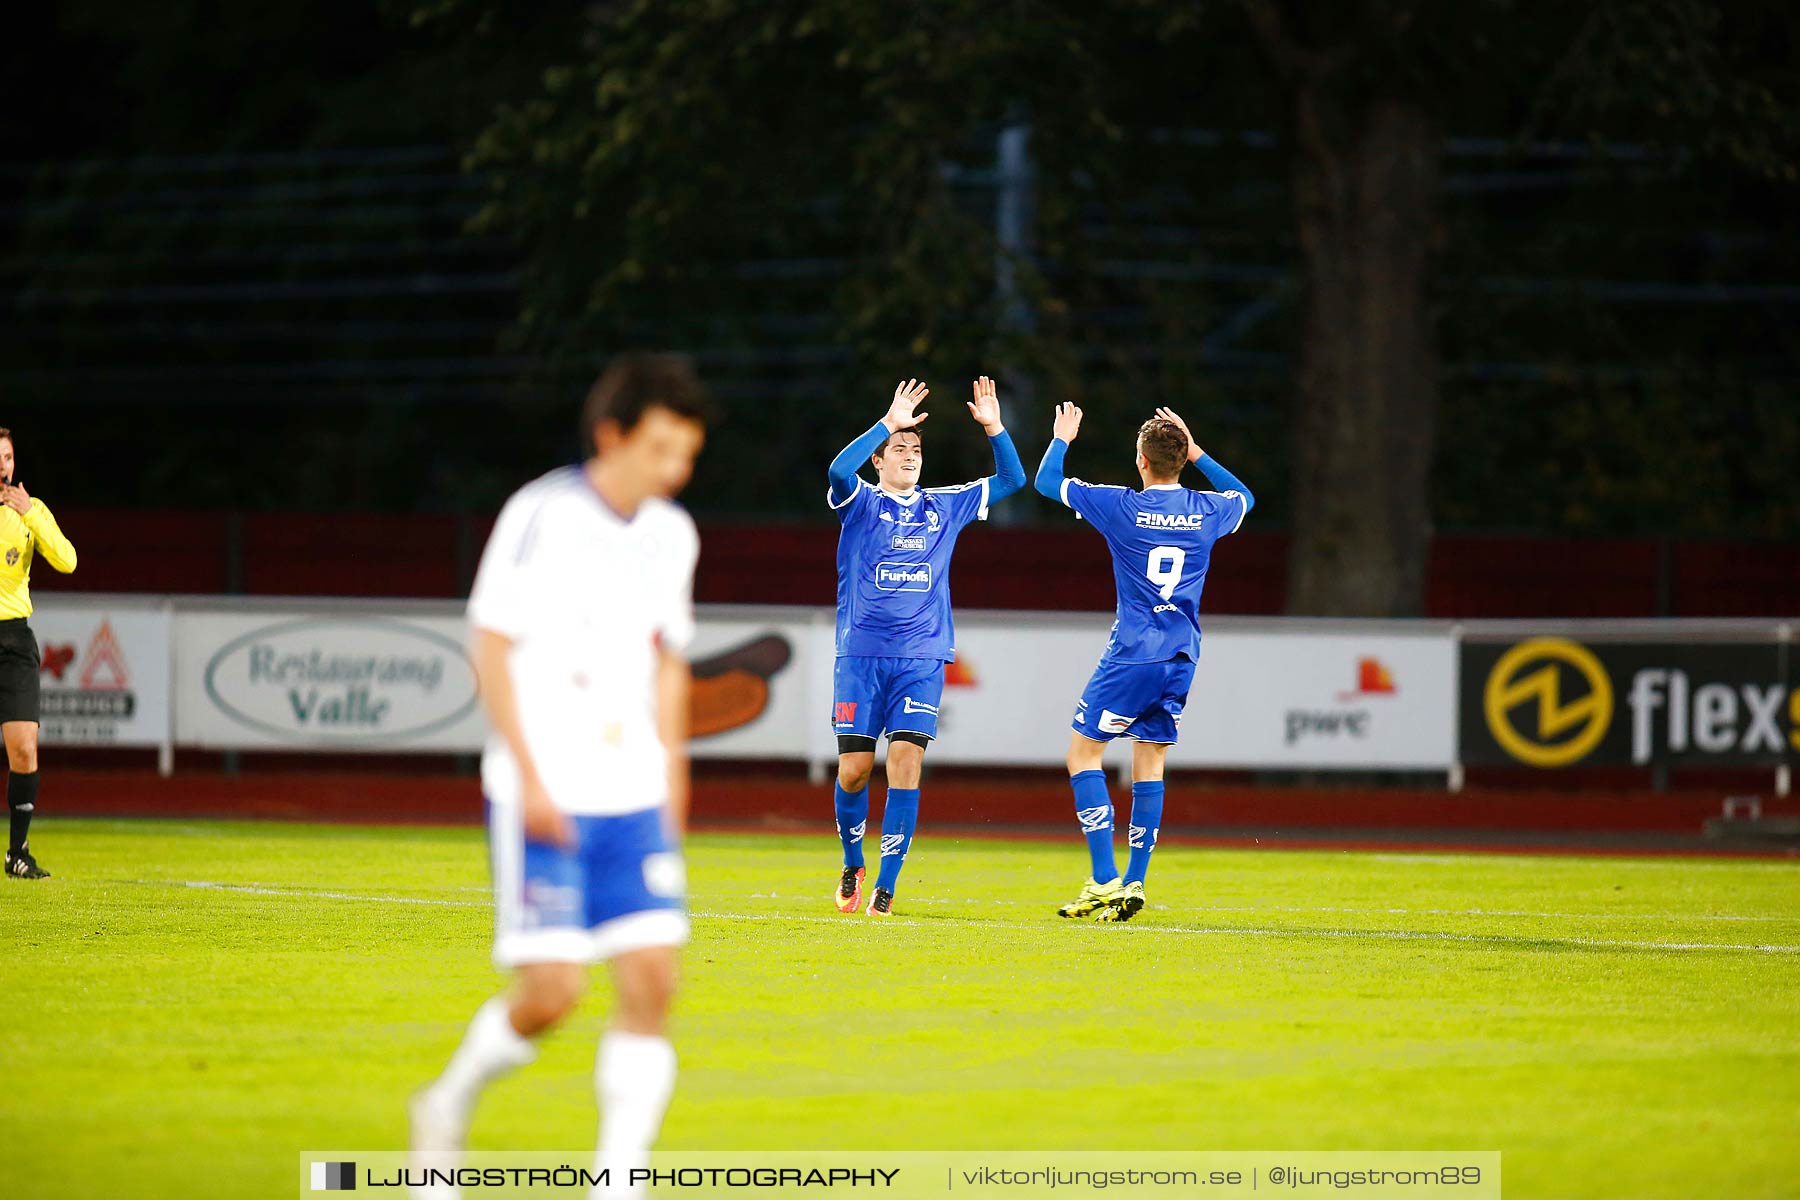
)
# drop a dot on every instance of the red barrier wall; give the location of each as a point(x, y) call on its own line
point(304, 554)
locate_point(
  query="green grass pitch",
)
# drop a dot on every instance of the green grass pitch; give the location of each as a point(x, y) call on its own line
point(1615, 1026)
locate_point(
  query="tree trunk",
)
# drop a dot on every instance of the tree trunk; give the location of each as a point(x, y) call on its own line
point(1365, 404)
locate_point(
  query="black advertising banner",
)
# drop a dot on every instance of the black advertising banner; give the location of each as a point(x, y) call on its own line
point(1557, 702)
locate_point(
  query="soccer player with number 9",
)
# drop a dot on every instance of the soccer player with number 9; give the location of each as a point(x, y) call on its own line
point(1161, 538)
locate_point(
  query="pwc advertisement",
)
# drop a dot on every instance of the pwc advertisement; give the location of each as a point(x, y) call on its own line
point(1345, 698)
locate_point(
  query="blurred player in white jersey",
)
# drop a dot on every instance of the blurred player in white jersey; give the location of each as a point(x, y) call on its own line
point(581, 614)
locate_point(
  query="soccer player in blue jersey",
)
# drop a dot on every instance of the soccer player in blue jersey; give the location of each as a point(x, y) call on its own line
point(1161, 538)
point(894, 631)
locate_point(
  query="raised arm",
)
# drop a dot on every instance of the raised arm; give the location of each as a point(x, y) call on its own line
point(1221, 479)
point(1009, 472)
point(1049, 480)
point(55, 548)
point(900, 415)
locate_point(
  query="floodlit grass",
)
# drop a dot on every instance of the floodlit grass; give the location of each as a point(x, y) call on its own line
point(1616, 1027)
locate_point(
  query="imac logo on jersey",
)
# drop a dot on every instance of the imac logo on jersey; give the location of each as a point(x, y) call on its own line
point(1155, 520)
point(903, 577)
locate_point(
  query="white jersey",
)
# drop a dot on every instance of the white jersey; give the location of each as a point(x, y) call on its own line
point(587, 597)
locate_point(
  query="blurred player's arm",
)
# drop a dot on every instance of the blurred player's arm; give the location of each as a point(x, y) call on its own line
point(55, 548)
point(849, 460)
point(544, 822)
point(500, 613)
point(1050, 479)
point(674, 682)
point(1221, 479)
point(1009, 472)
point(675, 679)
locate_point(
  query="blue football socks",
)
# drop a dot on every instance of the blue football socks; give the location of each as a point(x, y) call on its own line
point(852, 819)
point(1093, 808)
point(1146, 819)
point(899, 817)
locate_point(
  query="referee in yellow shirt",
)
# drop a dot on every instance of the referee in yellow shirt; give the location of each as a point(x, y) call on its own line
point(26, 529)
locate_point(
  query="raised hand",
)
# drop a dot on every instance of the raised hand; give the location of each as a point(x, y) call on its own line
point(900, 413)
point(1068, 422)
point(1194, 451)
point(985, 408)
point(16, 497)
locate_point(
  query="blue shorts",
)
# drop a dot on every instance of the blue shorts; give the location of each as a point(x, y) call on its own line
point(620, 888)
point(1142, 701)
point(872, 696)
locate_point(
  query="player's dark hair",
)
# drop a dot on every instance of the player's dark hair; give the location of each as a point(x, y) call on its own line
point(635, 383)
point(1163, 446)
point(882, 449)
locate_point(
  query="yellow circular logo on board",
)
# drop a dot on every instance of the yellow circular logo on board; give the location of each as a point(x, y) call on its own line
point(1533, 670)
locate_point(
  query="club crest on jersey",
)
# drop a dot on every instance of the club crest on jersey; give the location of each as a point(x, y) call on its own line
point(1156, 520)
point(931, 518)
point(12, 556)
point(903, 577)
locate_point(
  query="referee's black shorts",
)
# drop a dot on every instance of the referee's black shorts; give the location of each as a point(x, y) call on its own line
point(18, 671)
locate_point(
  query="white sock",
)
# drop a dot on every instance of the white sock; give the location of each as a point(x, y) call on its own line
point(489, 1049)
point(634, 1076)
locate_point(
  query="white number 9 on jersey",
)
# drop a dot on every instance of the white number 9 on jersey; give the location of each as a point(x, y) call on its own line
point(1164, 568)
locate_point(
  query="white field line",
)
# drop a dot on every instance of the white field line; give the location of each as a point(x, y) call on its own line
point(298, 894)
point(278, 889)
point(1135, 930)
point(1239, 931)
point(1404, 912)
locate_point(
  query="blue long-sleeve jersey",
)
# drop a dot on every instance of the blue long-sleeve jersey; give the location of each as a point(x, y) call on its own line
point(894, 552)
point(1161, 540)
